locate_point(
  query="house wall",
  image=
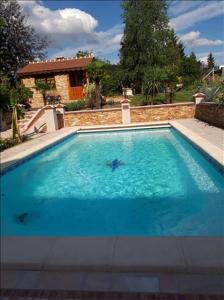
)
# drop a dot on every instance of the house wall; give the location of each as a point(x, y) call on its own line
point(62, 87)
point(211, 113)
point(138, 114)
point(37, 100)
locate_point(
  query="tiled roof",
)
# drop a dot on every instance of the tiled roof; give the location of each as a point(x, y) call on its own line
point(54, 66)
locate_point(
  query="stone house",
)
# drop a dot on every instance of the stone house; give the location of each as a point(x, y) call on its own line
point(65, 76)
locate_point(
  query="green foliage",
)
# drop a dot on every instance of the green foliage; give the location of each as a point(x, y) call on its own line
point(211, 61)
point(138, 100)
point(97, 71)
point(153, 81)
point(215, 92)
point(75, 105)
point(90, 95)
point(4, 92)
point(14, 105)
point(42, 87)
point(19, 43)
point(82, 53)
point(112, 83)
point(10, 142)
point(190, 69)
point(148, 40)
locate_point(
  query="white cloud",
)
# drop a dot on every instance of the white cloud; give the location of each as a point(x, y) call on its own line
point(177, 7)
point(71, 29)
point(108, 42)
point(59, 25)
point(204, 12)
point(193, 39)
point(219, 56)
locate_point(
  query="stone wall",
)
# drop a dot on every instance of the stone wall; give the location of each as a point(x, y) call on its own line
point(162, 112)
point(62, 86)
point(211, 113)
point(138, 114)
point(37, 100)
point(93, 117)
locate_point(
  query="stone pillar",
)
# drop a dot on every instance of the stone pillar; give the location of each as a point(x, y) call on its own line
point(199, 97)
point(51, 118)
point(60, 108)
point(126, 114)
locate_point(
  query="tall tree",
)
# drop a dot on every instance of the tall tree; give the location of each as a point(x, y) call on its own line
point(147, 37)
point(211, 61)
point(19, 43)
point(190, 68)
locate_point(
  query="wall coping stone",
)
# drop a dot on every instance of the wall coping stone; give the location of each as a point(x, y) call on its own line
point(93, 110)
point(132, 107)
point(210, 103)
point(164, 105)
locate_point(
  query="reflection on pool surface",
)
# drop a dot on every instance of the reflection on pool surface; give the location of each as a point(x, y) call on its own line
point(126, 183)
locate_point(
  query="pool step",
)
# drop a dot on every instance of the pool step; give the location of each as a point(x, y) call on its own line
point(123, 127)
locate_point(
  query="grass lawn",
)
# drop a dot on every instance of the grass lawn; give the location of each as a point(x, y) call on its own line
point(183, 95)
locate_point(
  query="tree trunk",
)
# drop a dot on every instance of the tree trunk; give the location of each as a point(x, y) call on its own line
point(98, 97)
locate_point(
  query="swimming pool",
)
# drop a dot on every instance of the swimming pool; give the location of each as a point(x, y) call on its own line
point(124, 183)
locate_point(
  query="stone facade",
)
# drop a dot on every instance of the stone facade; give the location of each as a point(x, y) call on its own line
point(211, 113)
point(62, 86)
point(138, 114)
point(93, 117)
point(37, 100)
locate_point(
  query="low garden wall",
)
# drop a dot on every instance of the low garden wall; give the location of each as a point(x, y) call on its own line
point(162, 112)
point(93, 117)
point(211, 113)
point(138, 114)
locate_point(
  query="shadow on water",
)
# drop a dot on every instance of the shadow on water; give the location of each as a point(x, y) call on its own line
point(197, 214)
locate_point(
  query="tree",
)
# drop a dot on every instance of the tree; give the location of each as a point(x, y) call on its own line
point(211, 61)
point(14, 105)
point(97, 71)
point(148, 41)
point(19, 42)
point(82, 53)
point(153, 81)
point(190, 68)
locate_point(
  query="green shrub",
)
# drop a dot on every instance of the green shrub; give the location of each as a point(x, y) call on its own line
point(10, 142)
point(75, 105)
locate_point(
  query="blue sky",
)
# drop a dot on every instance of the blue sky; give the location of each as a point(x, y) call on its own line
point(97, 25)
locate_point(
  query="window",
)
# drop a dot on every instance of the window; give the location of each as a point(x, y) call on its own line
point(50, 80)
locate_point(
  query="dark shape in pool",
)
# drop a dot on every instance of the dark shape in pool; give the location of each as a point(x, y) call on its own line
point(114, 164)
point(21, 218)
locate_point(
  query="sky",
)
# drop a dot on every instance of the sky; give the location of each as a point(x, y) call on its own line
point(97, 26)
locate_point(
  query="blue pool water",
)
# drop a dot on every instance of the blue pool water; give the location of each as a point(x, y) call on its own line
point(129, 183)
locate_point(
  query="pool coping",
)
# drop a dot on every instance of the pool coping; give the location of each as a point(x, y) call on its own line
point(209, 149)
point(204, 255)
point(124, 254)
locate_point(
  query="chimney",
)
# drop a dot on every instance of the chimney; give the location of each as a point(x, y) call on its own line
point(60, 58)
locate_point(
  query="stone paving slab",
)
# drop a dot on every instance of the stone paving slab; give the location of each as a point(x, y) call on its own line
point(211, 133)
point(95, 295)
